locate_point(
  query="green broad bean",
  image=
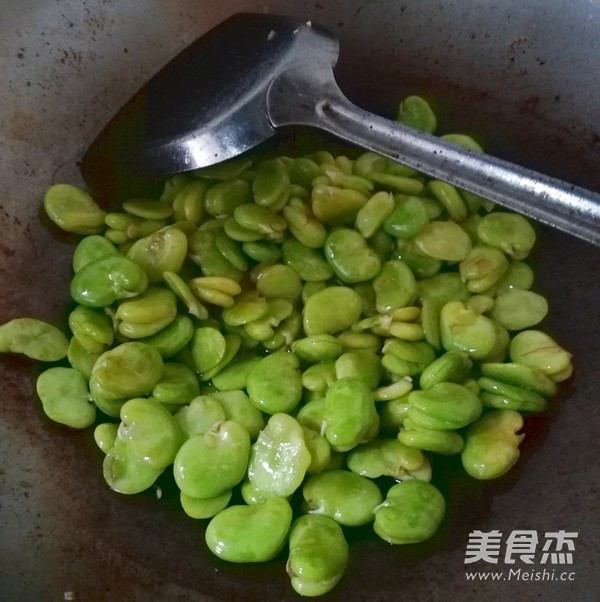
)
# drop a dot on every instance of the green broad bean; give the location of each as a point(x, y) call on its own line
point(221, 199)
point(188, 202)
point(215, 290)
point(430, 321)
point(307, 262)
point(317, 348)
point(303, 225)
point(235, 375)
point(162, 251)
point(313, 414)
point(172, 338)
point(200, 415)
point(33, 338)
point(370, 162)
point(203, 251)
point(510, 232)
point(201, 508)
point(342, 495)
point(105, 435)
point(350, 256)
point(126, 473)
point(90, 249)
point(449, 197)
point(248, 307)
point(337, 177)
point(483, 267)
point(262, 251)
point(395, 286)
point(319, 450)
point(446, 443)
point(444, 240)
point(445, 407)
point(331, 310)
point(451, 366)
point(271, 185)
point(373, 214)
point(447, 286)
point(415, 112)
point(349, 413)
point(106, 280)
point(502, 395)
point(422, 266)
point(149, 208)
point(233, 343)
point(232, 168)
point(208, 348)
point(148, 313)
point(390, 458)
point(279, 457)
point(261, 219)
point(150, 432)
point(492, 444)
point(406, 184)
point(520, 375)
point(274, 385)
point(231, 250)
point(463, 329)
point(318, 377)
point(65, 397)
point(355, 341)
point(518, 310)
point(335, 206)
point(302, 171)
point(363, 364)
point(411, 513)
point(392, 414)
point(409, 358)
point(408, 218)
point(537, 349)
point(394, 390)
point(255, 533)
point(518, 275)
point(236, 232)
point(463, 140)
point(93, 328)
point(211, 463)
point(73, 210)
point(178, 385)
point(129, 370)
point(278, 280)
point(81, 358)
point(318, 555)
point(480, 304)
point(172, 186)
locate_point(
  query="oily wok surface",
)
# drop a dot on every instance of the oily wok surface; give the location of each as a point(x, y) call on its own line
point(521, 79)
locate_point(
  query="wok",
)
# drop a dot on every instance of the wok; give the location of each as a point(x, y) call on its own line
point(522, 77)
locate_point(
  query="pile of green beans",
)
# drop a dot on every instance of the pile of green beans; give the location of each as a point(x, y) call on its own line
point(312, 328)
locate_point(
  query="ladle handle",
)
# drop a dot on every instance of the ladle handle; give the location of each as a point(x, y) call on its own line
point(548, 200)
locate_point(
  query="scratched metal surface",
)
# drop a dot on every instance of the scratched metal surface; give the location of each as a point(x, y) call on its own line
point(525, 78)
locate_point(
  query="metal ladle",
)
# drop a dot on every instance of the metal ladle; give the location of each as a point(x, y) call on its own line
point(255, 73)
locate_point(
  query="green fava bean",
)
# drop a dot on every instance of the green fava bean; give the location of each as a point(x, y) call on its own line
point(309, 263)
point(450, 198)
point(279, 281)
point(271, 184)
point(452, 366)
point(34, 338)
point(162, 251)
point(492, 444)
point(350, 413)
point(222, 198)
point(331, 310)
point(411, 513)
point(502, 395)
point(261, 219)
point(125, 472)
point(318, 377)
point(129, 370)
point(422, 266)
point(447, 286)
point(148, 313)
point(415, 112)
point(104, 281)
point(178, 385)
point(199, 415)
point(522, 375)
point(81, 358)
point(275, 384)
point(336, 206)
point(344, 496)
point(483, 267)
point(105, 436)
point(88, 323)
point(395, 286)
point(517, 310)
point(279, 457)
point(374, 213)
point(388, 457)
point(317, 348)
point(463, 329)
point(537, 349)
point(407, 219)
point(350, 256)
point(445, 407)
point(444, 240)
point(363, 364)
point(65, 397)
point(173, 337)
point(235, 375)
point(510, 232)
point(150, 432)
point(208, 348)
point(319, 449)
point(238, 407)
point(210, 463)
point(318, 555)
point(200, 508)
point(73, 210)
point(255, 533)
point(440, 442)
point(90, 249)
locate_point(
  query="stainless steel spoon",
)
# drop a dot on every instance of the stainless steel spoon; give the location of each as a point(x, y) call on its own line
point(255, 73)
